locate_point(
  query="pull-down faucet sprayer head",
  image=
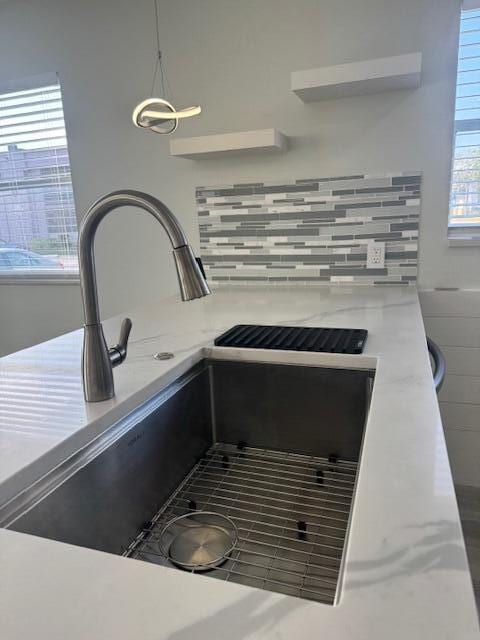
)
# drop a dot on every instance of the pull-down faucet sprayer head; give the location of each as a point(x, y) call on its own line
point(190, 278)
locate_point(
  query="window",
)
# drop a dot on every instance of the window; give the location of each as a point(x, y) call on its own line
point(465, 187)
point(38, 225)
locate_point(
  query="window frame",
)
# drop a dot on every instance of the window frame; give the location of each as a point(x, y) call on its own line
point(39, 276)
point(459, 235)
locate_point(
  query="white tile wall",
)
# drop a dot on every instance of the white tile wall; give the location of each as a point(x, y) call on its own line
point(452, 319)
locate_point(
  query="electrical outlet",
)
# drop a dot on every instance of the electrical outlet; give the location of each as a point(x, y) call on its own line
point(375, 255)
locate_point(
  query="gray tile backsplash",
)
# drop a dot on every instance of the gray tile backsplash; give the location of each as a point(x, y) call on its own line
point(310, 231)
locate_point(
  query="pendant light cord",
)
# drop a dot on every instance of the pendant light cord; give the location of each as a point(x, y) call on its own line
point(159, 62)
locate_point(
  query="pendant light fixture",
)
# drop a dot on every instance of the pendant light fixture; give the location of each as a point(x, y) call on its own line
point(158, 114)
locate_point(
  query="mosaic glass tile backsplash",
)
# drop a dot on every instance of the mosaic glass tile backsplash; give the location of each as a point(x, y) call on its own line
point(311, 231)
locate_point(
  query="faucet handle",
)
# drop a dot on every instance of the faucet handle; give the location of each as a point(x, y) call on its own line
point(118, 352)
point(124, 334)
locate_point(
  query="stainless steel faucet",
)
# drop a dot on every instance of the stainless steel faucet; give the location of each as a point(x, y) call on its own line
point(98, 360)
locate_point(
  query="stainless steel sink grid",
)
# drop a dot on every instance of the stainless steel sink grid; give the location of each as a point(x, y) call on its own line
point(291, 512)
point(273, 447)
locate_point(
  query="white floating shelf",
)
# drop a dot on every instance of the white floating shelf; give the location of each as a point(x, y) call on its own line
point(358, 78)
point(228, 144)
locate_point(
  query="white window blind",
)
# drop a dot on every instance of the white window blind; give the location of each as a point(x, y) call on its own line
point(38, 227)
point(465, 188)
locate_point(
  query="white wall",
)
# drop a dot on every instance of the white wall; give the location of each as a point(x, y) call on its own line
point(234, 58)
point(452, 319)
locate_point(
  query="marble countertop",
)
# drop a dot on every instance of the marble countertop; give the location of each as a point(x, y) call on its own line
point(405, 572)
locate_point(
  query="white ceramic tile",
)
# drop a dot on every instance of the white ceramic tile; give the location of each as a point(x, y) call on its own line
point(463, 447)
point(462, 360)
point(461, 389)
point(454, 331)
point(457, 415)
point(450, 303)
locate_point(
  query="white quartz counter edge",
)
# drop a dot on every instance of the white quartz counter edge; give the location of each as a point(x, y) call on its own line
point(405, 569)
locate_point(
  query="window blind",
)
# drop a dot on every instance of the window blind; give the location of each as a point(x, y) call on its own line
point(38, 227)
point(465, 187)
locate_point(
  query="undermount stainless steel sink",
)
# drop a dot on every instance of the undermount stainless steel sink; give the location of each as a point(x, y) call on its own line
point(273, 447)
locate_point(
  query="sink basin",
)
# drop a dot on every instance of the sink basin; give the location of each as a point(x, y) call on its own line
point(274, 448)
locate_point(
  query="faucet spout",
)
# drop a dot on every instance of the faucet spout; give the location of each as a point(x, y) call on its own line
point(98, 360)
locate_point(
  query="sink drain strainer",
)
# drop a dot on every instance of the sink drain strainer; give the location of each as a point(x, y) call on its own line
point(199, 541)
